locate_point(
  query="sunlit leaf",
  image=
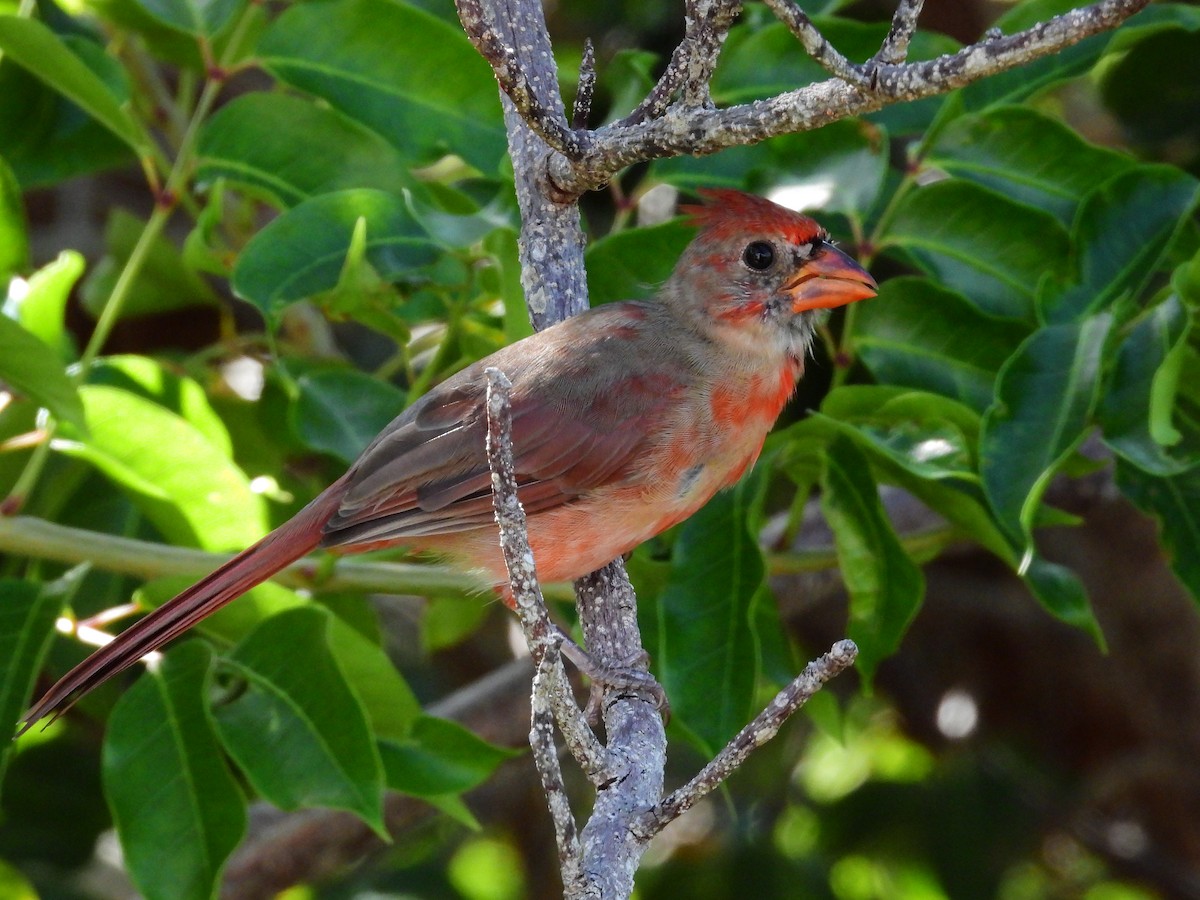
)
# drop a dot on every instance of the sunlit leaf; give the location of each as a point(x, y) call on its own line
point(42, 305)
point(14, 239)
point(34, 370)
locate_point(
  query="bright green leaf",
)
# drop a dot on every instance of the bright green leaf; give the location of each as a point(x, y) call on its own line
point(886, 587)
point(1044, 402)
point(990, 249)
point(14, 237)
point(32, 369)
point(302, 252)
point(388, 701)
point(40, 302)
point(293, 149)
point(706, 657)
point(297, 730)
point(32, 45)
point(186, 486)
point(912, 335)
point(400, 71)
point(179, 811)
point(340, 411)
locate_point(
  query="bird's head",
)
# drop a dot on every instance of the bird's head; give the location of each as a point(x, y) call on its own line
point(764, 273)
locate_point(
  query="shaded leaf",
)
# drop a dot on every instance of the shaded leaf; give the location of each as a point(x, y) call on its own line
point(1174, 501)
point(297, 730)
point(1044, 401)
point(167, 782)
point(29, 43)
point(164, 282)
point(912, 335)
point(1030, 157)
point(202, 18)
point(886, 587)
point(400, 71)
point(302, 252)
point(390, 705)
point(630, 265)
point(1061, 592)
point(1123, 232)
point(293, 149)
point(440, 757)
point(340, 411)
point(27, 615)
point(987, 247)
point(1149, 361)
point(34, 370)
point(706, 657)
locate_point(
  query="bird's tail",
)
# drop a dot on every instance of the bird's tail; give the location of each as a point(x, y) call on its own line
point(286, 544)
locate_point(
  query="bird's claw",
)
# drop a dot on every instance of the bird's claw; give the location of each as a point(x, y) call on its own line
point(631, 676)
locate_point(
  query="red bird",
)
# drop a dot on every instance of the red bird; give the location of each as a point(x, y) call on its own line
point(626, 420)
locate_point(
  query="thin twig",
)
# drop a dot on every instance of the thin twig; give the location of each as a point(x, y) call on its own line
point(818, 47)
point(515, 83)
point(904, 23)
point(587, 87)
point(764, 727)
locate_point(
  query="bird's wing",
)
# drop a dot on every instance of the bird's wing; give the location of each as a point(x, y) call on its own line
point(428, 474)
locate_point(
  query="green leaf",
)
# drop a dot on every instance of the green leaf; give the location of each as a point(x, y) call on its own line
point(340, 411)
point(706, 658)
point(30, 44)
point(1044, 402)
point(987, 247)
point(1174, 501)
point(1149, 361)
point(912, 335)
point(186, 486)
point(1123, 232)
point(388, 701)
point(293, 149)
point(631, 264)
point(1027, 156)
point(440, 757)
point(14, 237)
point(35, 371)
point(301, 253)
point(163, 284)
point(46, 138)
point(27, 615)
point(1062, 594)
point(41, 304)
point(838, 168)
point(297, 730)
point(181, 395)
point(409, 76)
point(178, 810)
point(886, 587)
point(202, 18)
point(1149, 58)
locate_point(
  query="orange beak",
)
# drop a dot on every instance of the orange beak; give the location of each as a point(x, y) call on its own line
point(829, 279)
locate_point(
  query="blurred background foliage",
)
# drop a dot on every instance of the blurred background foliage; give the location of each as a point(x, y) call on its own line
point(329, 229)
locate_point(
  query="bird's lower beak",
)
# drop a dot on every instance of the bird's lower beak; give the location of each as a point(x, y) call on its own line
point(830, 279)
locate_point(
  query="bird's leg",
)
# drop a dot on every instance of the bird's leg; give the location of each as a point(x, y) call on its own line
point(630, 675)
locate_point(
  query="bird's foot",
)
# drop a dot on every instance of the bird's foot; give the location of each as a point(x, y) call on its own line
point(630, 676)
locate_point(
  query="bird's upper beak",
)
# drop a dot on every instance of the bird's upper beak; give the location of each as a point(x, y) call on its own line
point(829, 279)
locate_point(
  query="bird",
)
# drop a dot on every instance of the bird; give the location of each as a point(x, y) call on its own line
point(626, 419)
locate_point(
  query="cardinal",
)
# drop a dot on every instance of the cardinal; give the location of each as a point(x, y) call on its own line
point(626, 419)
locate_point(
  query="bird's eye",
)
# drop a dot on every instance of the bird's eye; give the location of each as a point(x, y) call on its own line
point(759, 256)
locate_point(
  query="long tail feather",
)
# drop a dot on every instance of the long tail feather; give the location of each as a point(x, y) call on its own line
point(284, 545)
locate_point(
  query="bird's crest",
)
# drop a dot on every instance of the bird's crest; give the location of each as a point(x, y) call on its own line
point(726, 211)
